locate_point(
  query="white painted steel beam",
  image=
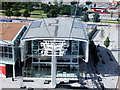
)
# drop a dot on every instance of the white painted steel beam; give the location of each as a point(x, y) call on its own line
point(53, 68)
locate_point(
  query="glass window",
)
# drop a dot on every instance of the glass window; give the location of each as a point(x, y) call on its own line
point(35, 60)
point(0, 54)
point(0, 49)
point(74, 69)
point(5, 49)
point(10, 49)
point(6, 54)
point(10, 56)
point(74, 60)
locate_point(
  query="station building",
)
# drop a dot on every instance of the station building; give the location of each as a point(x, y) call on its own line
point(54, 48)
point(10, 34)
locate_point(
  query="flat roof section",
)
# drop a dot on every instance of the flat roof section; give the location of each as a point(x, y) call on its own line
point(8, 30)
point(56, 28)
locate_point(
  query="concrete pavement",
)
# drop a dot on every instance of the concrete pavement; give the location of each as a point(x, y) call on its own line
point(109, 70)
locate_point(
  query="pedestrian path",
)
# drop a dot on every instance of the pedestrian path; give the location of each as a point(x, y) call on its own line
point(107, 67)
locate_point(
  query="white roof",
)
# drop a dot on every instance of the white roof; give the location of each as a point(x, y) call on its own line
point(5, 43)
point(56, 28)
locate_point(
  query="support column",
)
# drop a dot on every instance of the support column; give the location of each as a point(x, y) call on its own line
point(53, 68)
point(13, 71)
point(13, 62)
point(87, 52)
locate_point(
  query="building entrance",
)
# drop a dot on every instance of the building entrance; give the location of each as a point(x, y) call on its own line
point(38, 71)
point(67, 71)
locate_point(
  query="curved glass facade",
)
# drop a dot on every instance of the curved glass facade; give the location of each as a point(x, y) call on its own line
point(38, 65)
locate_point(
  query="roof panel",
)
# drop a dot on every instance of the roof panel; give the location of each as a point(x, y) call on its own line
point(8, 30)
point(36, 24)
point(58, 28)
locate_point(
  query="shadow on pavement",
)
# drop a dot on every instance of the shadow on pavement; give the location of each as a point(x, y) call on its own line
point(107, 65)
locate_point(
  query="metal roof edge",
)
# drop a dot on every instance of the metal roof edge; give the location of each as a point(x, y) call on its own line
point(18, 33)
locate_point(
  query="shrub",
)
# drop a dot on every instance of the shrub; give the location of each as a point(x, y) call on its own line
point(107, 42)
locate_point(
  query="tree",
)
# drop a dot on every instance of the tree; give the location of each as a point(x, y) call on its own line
point(52, 13)
point(85, 9)
point(119, 16)
point(107, 42)
point(8, 13)
point(79, 11)
point(94, 4)
point(17, 13)
point(96, 17)
point(88, 2)
point(55, 2)
point(45, 7)
point(85, 17)
point(37, 4)
point(73, 2)
point(6, 5)
point(65, 10)
point(61, 2)
point(111, 15)
point(26, 14)
point(16, 6)
point(25, 5)
point(30, 8)
point(49, 3)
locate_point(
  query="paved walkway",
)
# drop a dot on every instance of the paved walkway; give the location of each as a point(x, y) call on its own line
point(13, 17)
point(118, 82)
point(109, 70)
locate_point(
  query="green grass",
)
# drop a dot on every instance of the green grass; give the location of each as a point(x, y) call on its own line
point(38, 16)
point(110, 22)
point(1, 10)
point(37, 11)
point(2, 14)
point(33, 12)
point(106, 21)
point(34, 16)
point(22, 10)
